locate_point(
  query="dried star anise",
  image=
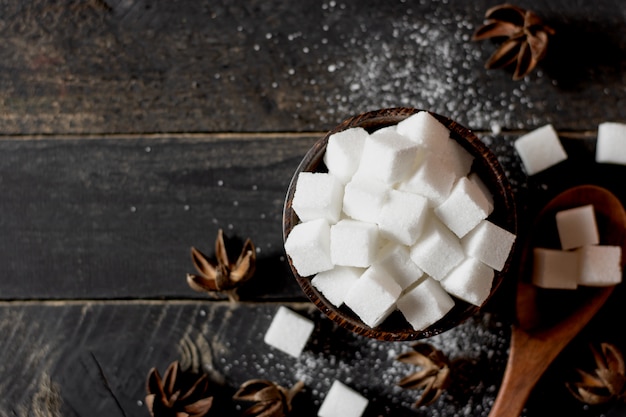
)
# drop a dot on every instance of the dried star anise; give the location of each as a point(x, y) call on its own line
point(434, 374)
point(271, 400)
point(606, 383)
point(177, 394)
point(526, 36)
point(222, 275)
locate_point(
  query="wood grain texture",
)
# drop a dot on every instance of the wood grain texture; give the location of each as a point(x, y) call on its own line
point(105, 66)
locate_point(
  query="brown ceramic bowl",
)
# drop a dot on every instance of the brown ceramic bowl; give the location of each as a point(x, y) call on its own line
point(395, 328)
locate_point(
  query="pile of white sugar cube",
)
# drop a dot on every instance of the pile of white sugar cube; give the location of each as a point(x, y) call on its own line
point(581, 260)
point(399, 222)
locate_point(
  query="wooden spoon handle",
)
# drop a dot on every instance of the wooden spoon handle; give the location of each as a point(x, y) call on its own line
point(529, 357)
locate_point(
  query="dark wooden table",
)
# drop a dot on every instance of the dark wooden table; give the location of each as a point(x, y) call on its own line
point(133, 130)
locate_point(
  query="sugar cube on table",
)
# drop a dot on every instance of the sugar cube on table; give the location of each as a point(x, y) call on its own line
point(336, 283)
point(343, 152)
point(308, 246)
point(470, 281)
point(600, 265)
point(554, 268)
point(318, 195)
point(342, 401)
point(540, 149)
point(437, 251)
point(577, 227)
point(465, 207)
point(353, 243)
point(402, 216)
point(364, 198)
point(433, 179)
point(388, 157)
point(289, 331)
point(423, 128)
point(373, 297)
point(489, 243)
point(611, 143)
point(425, 304)
point(395, 259)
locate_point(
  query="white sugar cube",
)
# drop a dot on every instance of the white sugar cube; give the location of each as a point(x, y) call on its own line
point(611, 144)
point(437, 251)
point(336, 283)
point(318, 195)
point(364, 198)
point(373, 297)
point(353, 243)
point(343, 152)
point(465, 207)
point(432, 179)
point(554, 268)
point(289, 331)
point(424, 129)
point(600, 265)
point(342, 401)
point(459, 158)
point(402, 216)
point(308, 246)
point(425, 304)
point(475, 178)
point(540, 149)
point(388, 157)
point(470, 281)
point(577, 227)
point(395, 259)
point(489, 243)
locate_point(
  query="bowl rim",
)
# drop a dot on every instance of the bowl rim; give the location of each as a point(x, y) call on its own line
point(506, 217)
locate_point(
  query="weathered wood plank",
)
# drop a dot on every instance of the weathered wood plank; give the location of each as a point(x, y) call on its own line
point(115, 217)
point(92, 359)
point(89, 66)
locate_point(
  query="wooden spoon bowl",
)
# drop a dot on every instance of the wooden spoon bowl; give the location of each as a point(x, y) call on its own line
point(547, 320)
point(485, 165)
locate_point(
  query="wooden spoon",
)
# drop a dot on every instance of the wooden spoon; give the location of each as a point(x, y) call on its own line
point(547, 320)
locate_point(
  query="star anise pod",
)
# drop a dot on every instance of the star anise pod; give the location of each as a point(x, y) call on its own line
point(177, 394)
point(222, 275)
point(606, 383)
point(526, 38)
point(434, 374)
point(271, 400)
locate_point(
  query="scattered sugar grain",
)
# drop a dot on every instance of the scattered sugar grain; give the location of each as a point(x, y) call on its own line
point(577, 227)
point(289, 331)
